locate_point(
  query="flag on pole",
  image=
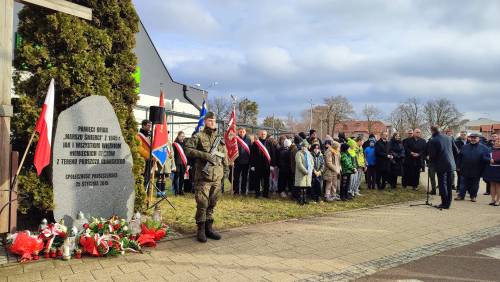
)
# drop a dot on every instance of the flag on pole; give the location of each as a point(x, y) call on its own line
point(44, 129)
point(230, 138)
point(160, 143)
point(201, 120)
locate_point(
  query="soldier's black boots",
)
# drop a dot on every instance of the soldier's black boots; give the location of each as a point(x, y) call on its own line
point(210, 232)
point(201, 232)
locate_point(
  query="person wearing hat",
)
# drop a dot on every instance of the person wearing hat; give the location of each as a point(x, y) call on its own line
point(284, 169)
point(304, 166)
point(332, 169)
point(210, 168)
point(313, 138)
point(371, 174)
point(471, 162)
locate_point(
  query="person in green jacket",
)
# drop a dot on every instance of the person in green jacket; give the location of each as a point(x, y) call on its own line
point(356, 151)
point(348, 168)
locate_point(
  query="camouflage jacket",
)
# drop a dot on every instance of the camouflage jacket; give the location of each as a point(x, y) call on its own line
point(199, 147)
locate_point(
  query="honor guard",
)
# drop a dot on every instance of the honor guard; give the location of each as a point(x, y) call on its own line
point(211, 166)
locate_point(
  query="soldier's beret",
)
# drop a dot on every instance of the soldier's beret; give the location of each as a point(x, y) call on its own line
point(210, 115)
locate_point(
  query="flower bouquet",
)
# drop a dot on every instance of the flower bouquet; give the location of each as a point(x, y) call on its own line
point(151, 232)
point(53, 236)
point(25, 245)
point(106, 237)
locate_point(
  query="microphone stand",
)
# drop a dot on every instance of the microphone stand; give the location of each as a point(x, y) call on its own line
point(427, 200)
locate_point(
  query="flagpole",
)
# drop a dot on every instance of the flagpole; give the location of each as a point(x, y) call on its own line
point(232, 167)
point(22, 160)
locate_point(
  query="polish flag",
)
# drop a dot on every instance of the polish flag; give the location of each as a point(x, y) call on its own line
point(44, 129)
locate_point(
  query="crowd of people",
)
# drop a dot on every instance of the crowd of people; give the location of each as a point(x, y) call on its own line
point(310, 170)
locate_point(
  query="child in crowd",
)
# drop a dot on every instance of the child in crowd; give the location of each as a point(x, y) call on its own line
point(348, 168)
point(371, 169)
point(317, 175)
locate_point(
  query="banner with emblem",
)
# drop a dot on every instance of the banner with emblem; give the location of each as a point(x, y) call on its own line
point(160, 142)
point(230, 138)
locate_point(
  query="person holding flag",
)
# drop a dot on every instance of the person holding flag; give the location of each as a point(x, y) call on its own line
point(262, 161)
point(144, 139)
point(241, 164)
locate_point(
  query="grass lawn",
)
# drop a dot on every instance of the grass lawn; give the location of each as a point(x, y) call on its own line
point(238, 211)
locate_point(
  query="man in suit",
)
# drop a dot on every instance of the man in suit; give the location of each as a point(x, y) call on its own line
point(262, 161)
point(241, 163)
point(442, 151)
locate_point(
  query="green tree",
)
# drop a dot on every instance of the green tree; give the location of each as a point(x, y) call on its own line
point(274, 122)
point(85, 58)
point(248, 111)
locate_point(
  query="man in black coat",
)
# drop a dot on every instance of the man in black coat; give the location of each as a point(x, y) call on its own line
point(460, 142)
point(241, 164)
point(442, 153)
point(312, 135)
point(383, 160)
point(471, 162)
point(262, 161)
point(414, 161)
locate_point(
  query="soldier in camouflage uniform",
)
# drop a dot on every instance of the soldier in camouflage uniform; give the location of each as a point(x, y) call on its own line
point(210, 169)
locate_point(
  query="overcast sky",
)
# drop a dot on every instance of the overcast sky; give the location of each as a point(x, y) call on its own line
point(283, 53)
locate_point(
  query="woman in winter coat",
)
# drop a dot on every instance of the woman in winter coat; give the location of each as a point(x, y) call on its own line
point(304, 166)
point(492, 174)
point(397, 150)
point(332, 169)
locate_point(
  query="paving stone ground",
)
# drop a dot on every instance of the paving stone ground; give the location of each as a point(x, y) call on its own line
point(343, 246)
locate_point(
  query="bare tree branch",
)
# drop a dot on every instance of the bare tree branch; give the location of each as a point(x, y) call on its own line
point(371, 113)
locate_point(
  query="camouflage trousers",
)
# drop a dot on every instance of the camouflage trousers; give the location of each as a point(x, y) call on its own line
point(206, 194)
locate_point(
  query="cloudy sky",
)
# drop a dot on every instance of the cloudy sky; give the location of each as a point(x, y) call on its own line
point(283, 53)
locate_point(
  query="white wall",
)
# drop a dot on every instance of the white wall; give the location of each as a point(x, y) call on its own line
point(147, 101)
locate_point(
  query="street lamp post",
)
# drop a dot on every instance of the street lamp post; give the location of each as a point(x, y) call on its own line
point(311, 121)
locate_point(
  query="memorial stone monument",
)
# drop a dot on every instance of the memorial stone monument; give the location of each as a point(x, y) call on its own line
point(92, 163)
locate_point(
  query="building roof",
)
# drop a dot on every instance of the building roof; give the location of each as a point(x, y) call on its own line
point(155, 73)
point(480, 121)
point(496, 126)
point(355, 126)
point(485, 128)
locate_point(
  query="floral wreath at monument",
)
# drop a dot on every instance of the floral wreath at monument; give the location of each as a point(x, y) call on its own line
point(99, 237)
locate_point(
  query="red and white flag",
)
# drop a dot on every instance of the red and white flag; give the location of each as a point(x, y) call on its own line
point(44, 129)
point(230, 138)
